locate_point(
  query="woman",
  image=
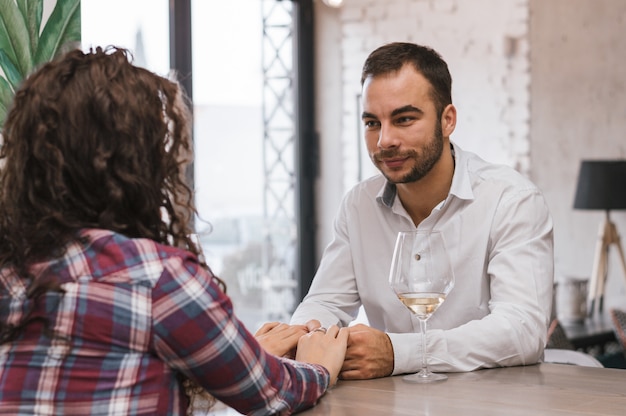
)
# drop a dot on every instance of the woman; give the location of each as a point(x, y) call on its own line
point(105, 307)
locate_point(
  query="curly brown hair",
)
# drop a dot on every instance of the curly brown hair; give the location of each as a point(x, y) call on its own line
point(92, 141)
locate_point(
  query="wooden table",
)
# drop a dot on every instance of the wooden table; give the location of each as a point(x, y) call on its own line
point(544, 389)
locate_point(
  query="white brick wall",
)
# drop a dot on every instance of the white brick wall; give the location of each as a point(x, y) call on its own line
point(485, 43)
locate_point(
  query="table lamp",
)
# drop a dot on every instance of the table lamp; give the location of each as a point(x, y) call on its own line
point(602, 185)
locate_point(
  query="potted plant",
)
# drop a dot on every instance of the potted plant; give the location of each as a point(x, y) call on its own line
point(24, 46)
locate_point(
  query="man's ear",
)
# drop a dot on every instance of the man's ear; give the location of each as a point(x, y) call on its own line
point(448, 120)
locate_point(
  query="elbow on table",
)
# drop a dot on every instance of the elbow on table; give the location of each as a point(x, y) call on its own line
point(531, 343)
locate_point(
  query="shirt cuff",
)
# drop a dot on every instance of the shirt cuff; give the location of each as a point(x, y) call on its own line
point(407, 350)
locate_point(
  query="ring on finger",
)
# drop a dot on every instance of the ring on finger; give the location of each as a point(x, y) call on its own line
point(320, 329)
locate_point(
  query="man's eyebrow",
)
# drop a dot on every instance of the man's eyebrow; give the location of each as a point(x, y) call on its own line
point(365, 115)
point(406, 109)
point(401, 110)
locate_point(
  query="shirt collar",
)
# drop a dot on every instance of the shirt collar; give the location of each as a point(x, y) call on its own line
point(461, 185)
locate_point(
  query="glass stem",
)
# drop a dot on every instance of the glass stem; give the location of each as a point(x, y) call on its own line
point(424, 359)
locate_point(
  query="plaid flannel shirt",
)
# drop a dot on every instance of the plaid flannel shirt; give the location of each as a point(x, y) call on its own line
point(134, 318)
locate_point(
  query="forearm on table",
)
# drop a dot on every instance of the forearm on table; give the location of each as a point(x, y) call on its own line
point(493, 341)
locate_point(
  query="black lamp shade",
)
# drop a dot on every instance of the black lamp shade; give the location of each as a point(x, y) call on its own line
point(601, 185)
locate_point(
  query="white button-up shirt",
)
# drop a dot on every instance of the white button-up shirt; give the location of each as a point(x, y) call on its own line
point(498, 231)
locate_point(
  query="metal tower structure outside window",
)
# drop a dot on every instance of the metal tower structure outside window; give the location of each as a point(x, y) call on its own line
point(289, 155)
point(280, 283)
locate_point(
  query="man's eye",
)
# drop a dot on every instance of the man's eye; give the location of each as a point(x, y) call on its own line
point(404, 120)
point(370, 124)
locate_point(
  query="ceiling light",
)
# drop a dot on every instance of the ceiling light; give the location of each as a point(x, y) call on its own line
point(333, 3)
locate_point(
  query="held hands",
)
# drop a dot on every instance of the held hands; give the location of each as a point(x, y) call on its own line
point(326, 347)
point(369, 352)
point(357, 352)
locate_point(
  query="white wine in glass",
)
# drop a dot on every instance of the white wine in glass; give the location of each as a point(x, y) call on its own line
point(421, 276)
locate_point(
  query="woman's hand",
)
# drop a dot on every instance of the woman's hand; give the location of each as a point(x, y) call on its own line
point(279, 338)
point(326, 347)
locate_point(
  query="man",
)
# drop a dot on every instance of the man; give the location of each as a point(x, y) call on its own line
point(496, 224)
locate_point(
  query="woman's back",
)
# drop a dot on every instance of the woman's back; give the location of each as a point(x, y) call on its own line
point(135, 317)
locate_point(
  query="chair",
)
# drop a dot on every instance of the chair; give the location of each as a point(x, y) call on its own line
point(618, 318)
point(557, 337)
point(560, 356)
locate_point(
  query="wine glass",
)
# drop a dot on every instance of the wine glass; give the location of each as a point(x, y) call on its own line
point(421, 276)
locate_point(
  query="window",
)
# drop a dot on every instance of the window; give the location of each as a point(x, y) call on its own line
point(142, 28)
point(246, 161)
point(244, 142)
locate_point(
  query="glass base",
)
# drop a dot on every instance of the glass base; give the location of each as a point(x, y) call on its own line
point(424, 377)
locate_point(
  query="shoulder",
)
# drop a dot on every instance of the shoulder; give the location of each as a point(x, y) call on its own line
point(113, 255)
point(482, 172)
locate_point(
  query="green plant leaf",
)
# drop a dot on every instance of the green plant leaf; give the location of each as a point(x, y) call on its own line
point(11, 72)
point(62, 27)
point(32, 10)
point(14, 38)
point(6, 97)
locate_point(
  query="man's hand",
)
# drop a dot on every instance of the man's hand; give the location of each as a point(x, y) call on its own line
point(369, 354)
point(279, 338)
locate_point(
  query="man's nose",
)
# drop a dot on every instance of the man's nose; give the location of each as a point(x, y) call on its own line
point(386, 137)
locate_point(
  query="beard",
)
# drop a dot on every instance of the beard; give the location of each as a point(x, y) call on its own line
point(431, 153)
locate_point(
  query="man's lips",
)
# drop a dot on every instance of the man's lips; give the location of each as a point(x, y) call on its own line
point(394, 162)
